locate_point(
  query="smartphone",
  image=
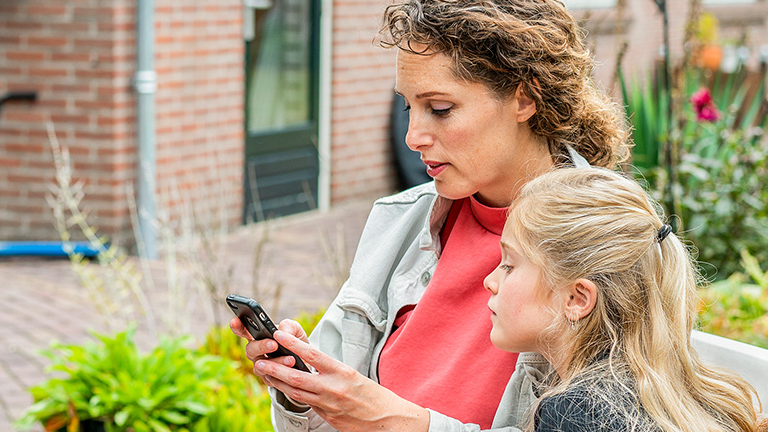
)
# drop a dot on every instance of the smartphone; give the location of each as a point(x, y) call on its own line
point(259, 325)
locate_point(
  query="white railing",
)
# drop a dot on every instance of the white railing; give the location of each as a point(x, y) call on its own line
point(746, 360)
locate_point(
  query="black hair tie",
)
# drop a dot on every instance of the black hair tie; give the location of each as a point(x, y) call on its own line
point(663, 232)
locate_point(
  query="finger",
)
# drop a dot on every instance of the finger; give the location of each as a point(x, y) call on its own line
point(238, 329)
point(295, 384)
point(293, 328)
point(257, 349)
point(307, 352)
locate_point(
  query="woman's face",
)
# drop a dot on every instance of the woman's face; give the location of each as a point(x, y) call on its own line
point(471, 142)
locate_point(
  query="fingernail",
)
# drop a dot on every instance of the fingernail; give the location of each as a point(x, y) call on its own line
point(272, 345)
point(279, 335)
point(261, 365)
point(288, 361)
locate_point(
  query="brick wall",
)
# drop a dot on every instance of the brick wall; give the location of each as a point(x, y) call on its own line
point(76, 55)
point(363, 83)
point(80, 58)
point(201, 85)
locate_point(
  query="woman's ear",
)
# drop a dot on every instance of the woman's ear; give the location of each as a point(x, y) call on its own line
point(526, 106)
point(582, 296)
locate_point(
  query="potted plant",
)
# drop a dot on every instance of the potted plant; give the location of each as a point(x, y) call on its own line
point(110, 385)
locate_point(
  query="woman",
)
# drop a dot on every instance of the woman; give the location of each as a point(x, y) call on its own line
point(592, 279)
point(499, 91)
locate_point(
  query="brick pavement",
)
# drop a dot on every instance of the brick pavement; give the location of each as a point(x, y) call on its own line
point(41, 299)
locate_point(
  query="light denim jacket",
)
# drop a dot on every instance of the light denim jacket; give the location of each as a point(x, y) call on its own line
point(394, 262)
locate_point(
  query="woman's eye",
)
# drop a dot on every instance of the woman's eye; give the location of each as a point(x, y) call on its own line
point(506, 268)
point(441, 112)
point(407, 108)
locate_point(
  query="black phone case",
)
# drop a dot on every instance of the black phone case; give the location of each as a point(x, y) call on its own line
point(259, 325)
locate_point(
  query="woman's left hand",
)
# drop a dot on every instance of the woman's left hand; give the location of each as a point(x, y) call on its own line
point(343, 397)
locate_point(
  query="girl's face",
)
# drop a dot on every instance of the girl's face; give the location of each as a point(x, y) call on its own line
point(521, 307)
point(471, 142)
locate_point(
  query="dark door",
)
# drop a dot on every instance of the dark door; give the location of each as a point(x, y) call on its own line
point(281, 159)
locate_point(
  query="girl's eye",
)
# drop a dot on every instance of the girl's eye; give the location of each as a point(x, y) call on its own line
point(507, 268)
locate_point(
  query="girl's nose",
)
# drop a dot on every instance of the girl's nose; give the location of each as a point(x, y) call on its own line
point(490, 283)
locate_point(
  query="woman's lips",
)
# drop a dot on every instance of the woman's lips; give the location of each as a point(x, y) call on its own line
point(435, 168)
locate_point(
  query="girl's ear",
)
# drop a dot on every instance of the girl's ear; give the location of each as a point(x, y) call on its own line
point(582, 296)
point(526, 106)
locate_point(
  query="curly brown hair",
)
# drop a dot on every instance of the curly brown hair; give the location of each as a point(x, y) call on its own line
point(533, 43)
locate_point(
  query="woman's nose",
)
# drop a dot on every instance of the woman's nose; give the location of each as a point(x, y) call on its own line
point(417, 137)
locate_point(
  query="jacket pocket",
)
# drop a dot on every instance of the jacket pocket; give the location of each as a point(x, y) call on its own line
point(358, 339)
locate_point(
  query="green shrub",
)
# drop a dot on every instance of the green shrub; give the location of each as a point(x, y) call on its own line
point(172, 388)
point(722, 161)
point(737, 308)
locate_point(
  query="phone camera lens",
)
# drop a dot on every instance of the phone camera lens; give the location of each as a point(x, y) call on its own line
point(252, 323)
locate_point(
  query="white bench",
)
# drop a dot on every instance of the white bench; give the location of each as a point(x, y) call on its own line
point(746, 360)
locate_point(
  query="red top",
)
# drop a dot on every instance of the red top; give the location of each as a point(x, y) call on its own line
point(440, 355)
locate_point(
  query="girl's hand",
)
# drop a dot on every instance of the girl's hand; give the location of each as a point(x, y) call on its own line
point(344, 398)
point(256, 350)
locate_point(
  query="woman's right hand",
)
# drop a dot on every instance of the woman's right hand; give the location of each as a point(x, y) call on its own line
point(258, 349)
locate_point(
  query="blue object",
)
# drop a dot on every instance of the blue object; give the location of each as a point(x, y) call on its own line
point(49, 249)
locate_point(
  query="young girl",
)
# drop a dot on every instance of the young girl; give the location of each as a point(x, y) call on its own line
point(591, 278)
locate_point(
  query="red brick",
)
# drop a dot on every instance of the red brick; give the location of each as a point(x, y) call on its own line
point(50, 103)
point(46, 10)
point(70, 57)
point(47, 41)
point(22, 116)
point(71, 88)
point(47, 72)
point(9, 162)
point(112, 27)
point(93, 73)
point(69, 27)
point(23, 25)
point(24, 55)
point(103, 13)
point(93, 104)
point(70, 119)
point(12, 193)
point(93, 43)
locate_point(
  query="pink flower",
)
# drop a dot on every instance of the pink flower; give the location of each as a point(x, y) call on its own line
point(705, 106)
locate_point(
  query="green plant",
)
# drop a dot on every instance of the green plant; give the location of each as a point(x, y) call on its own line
point(724, 202)
point(222, 342)
point(737, 308)
point(645, 104)
point(721, 204)
point(172, 388)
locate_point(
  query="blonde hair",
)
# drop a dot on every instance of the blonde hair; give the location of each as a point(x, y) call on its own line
point(597, 224)
point(533, 43)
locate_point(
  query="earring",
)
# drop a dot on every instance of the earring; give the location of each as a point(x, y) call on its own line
point(572, 322)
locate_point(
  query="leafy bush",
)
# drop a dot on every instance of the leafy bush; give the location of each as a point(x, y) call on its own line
point(721, 149)
point(724, 201)
point(737, 308)
point(172, 388)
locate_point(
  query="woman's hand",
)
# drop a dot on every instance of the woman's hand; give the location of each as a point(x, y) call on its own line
point(344, 398)
point(256, 350)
